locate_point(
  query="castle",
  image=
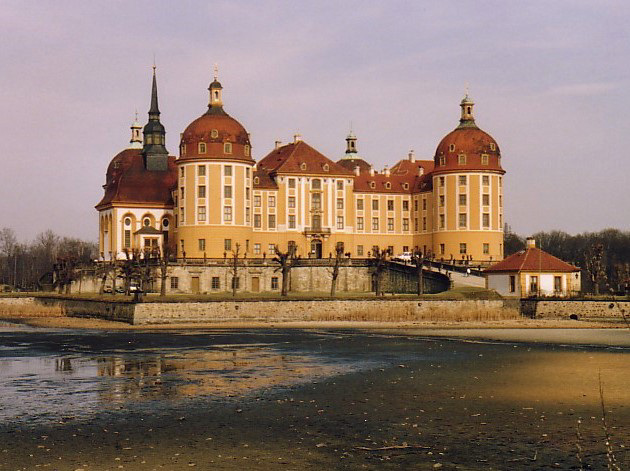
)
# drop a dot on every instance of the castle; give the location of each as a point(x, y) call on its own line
point(214, 197)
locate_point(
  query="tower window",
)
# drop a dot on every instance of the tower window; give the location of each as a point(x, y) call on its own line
point(468, 110)
point(214, 134)
point(451, 148)
point(442, 161)
point(247, 150)
point(485, 180)
point(227, 170)
point(256, 180)
point(201, 191)
point(216, 95)
point(484, 159)
point(462, 180)
point(227, 148)
point(461, 159)
point(202, 147)
point(493, 146)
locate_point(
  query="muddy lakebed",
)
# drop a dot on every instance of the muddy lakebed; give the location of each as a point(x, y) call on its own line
point(313, 399)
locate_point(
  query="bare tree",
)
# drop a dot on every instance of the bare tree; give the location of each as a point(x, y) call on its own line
point(286, 260)
point(335, 270)
point(595, 265)
point(234, 268)
point(163, 258)
point(418, 261)
point(379, 257)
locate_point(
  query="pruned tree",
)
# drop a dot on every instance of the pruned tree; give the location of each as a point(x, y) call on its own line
point(286, 260)
point(379, 257)
point(234, 267)
point(164, 259)
point(418, 260)
point(335, 269)
point(595, 265)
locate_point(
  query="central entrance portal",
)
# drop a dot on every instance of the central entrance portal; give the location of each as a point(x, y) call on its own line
point(316, 248)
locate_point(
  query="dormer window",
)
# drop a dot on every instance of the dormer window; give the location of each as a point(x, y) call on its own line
point(247, 150)
point(227, 148)
point(372, 185)
point(405, 186)
point(451, 148)
point(214, 134)
point(303, 166)
point(256, 180)
point(493, 146)
point(183, 149)
point(388, 185)
point(461, 159)
point(202, 147)
point(442, 161)
point(326, 168)
point(484, 159)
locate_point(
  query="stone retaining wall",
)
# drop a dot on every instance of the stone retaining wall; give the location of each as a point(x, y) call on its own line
point(121, 311)
point(17, 301)
point(583, 309)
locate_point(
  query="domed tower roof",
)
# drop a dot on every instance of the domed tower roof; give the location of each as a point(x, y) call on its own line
point(467, 147)
point(215, 134)
point(351, 160)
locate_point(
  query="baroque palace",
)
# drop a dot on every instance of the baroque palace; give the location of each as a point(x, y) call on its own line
point(214, 195)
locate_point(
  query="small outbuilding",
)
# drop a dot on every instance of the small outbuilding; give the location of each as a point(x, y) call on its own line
point(533, 272)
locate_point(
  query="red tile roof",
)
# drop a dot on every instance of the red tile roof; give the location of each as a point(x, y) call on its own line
point(129, 182)
point(300, 158)
point(404, 177)
point(532, 260)
point(262, 180)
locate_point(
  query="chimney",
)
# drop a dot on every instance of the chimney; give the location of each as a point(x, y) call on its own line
point(420, 171)
point(386, 171)
point(412, 156)
point(371, 171)
point(530, 243)
point(277, 144)
point(297, 138)
point(357, 170)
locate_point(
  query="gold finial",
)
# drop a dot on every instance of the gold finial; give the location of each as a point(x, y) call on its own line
point(467, 88)
point(136, 114)
point(216, 71)
point(154, 66)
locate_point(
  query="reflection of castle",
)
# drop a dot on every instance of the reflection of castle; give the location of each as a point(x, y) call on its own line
point(202, 373)
point(214, 195)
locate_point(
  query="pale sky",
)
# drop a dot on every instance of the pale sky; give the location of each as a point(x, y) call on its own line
point(551, 83)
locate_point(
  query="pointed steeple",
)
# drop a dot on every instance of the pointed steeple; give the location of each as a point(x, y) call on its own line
point(154, 151)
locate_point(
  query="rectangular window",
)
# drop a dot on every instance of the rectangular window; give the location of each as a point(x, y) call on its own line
point(181, 193)
point(174, 282)
point(415, 205)
point(227, 170)
point(486, 220)
point(485, 199)
point(441, 200)
point(339, 222)
point(415, 224)
point(500, 201)
point(257, 220)
point(247, 172)
point(202, 245)
point(512, 283)
point(227, 244)
point(405, 248)
point(247, 215)
point(256, 201)
point(227, 213)
point(271, 248)
point(424, 204)
point(533, 285)
point(484, 159)
point(201, 191)
point(181, 171)
point(405, 226)
point(247, 192)
point(441, 181)
point(291, 201)
point(272, 221)
point(227, 191)
point(291, 221)
point(461, 159)
point(360, 204)
point(424, 223)
point(291, 182)
point(462, 248)
point(316, 201)
point(442, 161)
point(462, 180)
point(557, 284)
point(340, 184)
point(256, 249)
point(127, 238)
point(339, 203)
point(375, 224)
point(236, 282)
point(274, 282)
point(485, 180)
point(374, 205)
point(462, 199)
point(462, 220)
point(442, 220)
point(390, 249)
point(360, 223)
point(390, 205)
point(405, 204)
point(442, 249)
point(202, 147)
point(216, 282)
point(390, 224)
point(201, 170)
point(271, 201)
point(201, 213)
point(181, 212)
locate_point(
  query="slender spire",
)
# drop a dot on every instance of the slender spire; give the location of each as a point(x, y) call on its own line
point(154, 150)
point(154, 110)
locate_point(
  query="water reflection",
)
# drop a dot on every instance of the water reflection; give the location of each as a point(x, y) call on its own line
point(45, 389)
